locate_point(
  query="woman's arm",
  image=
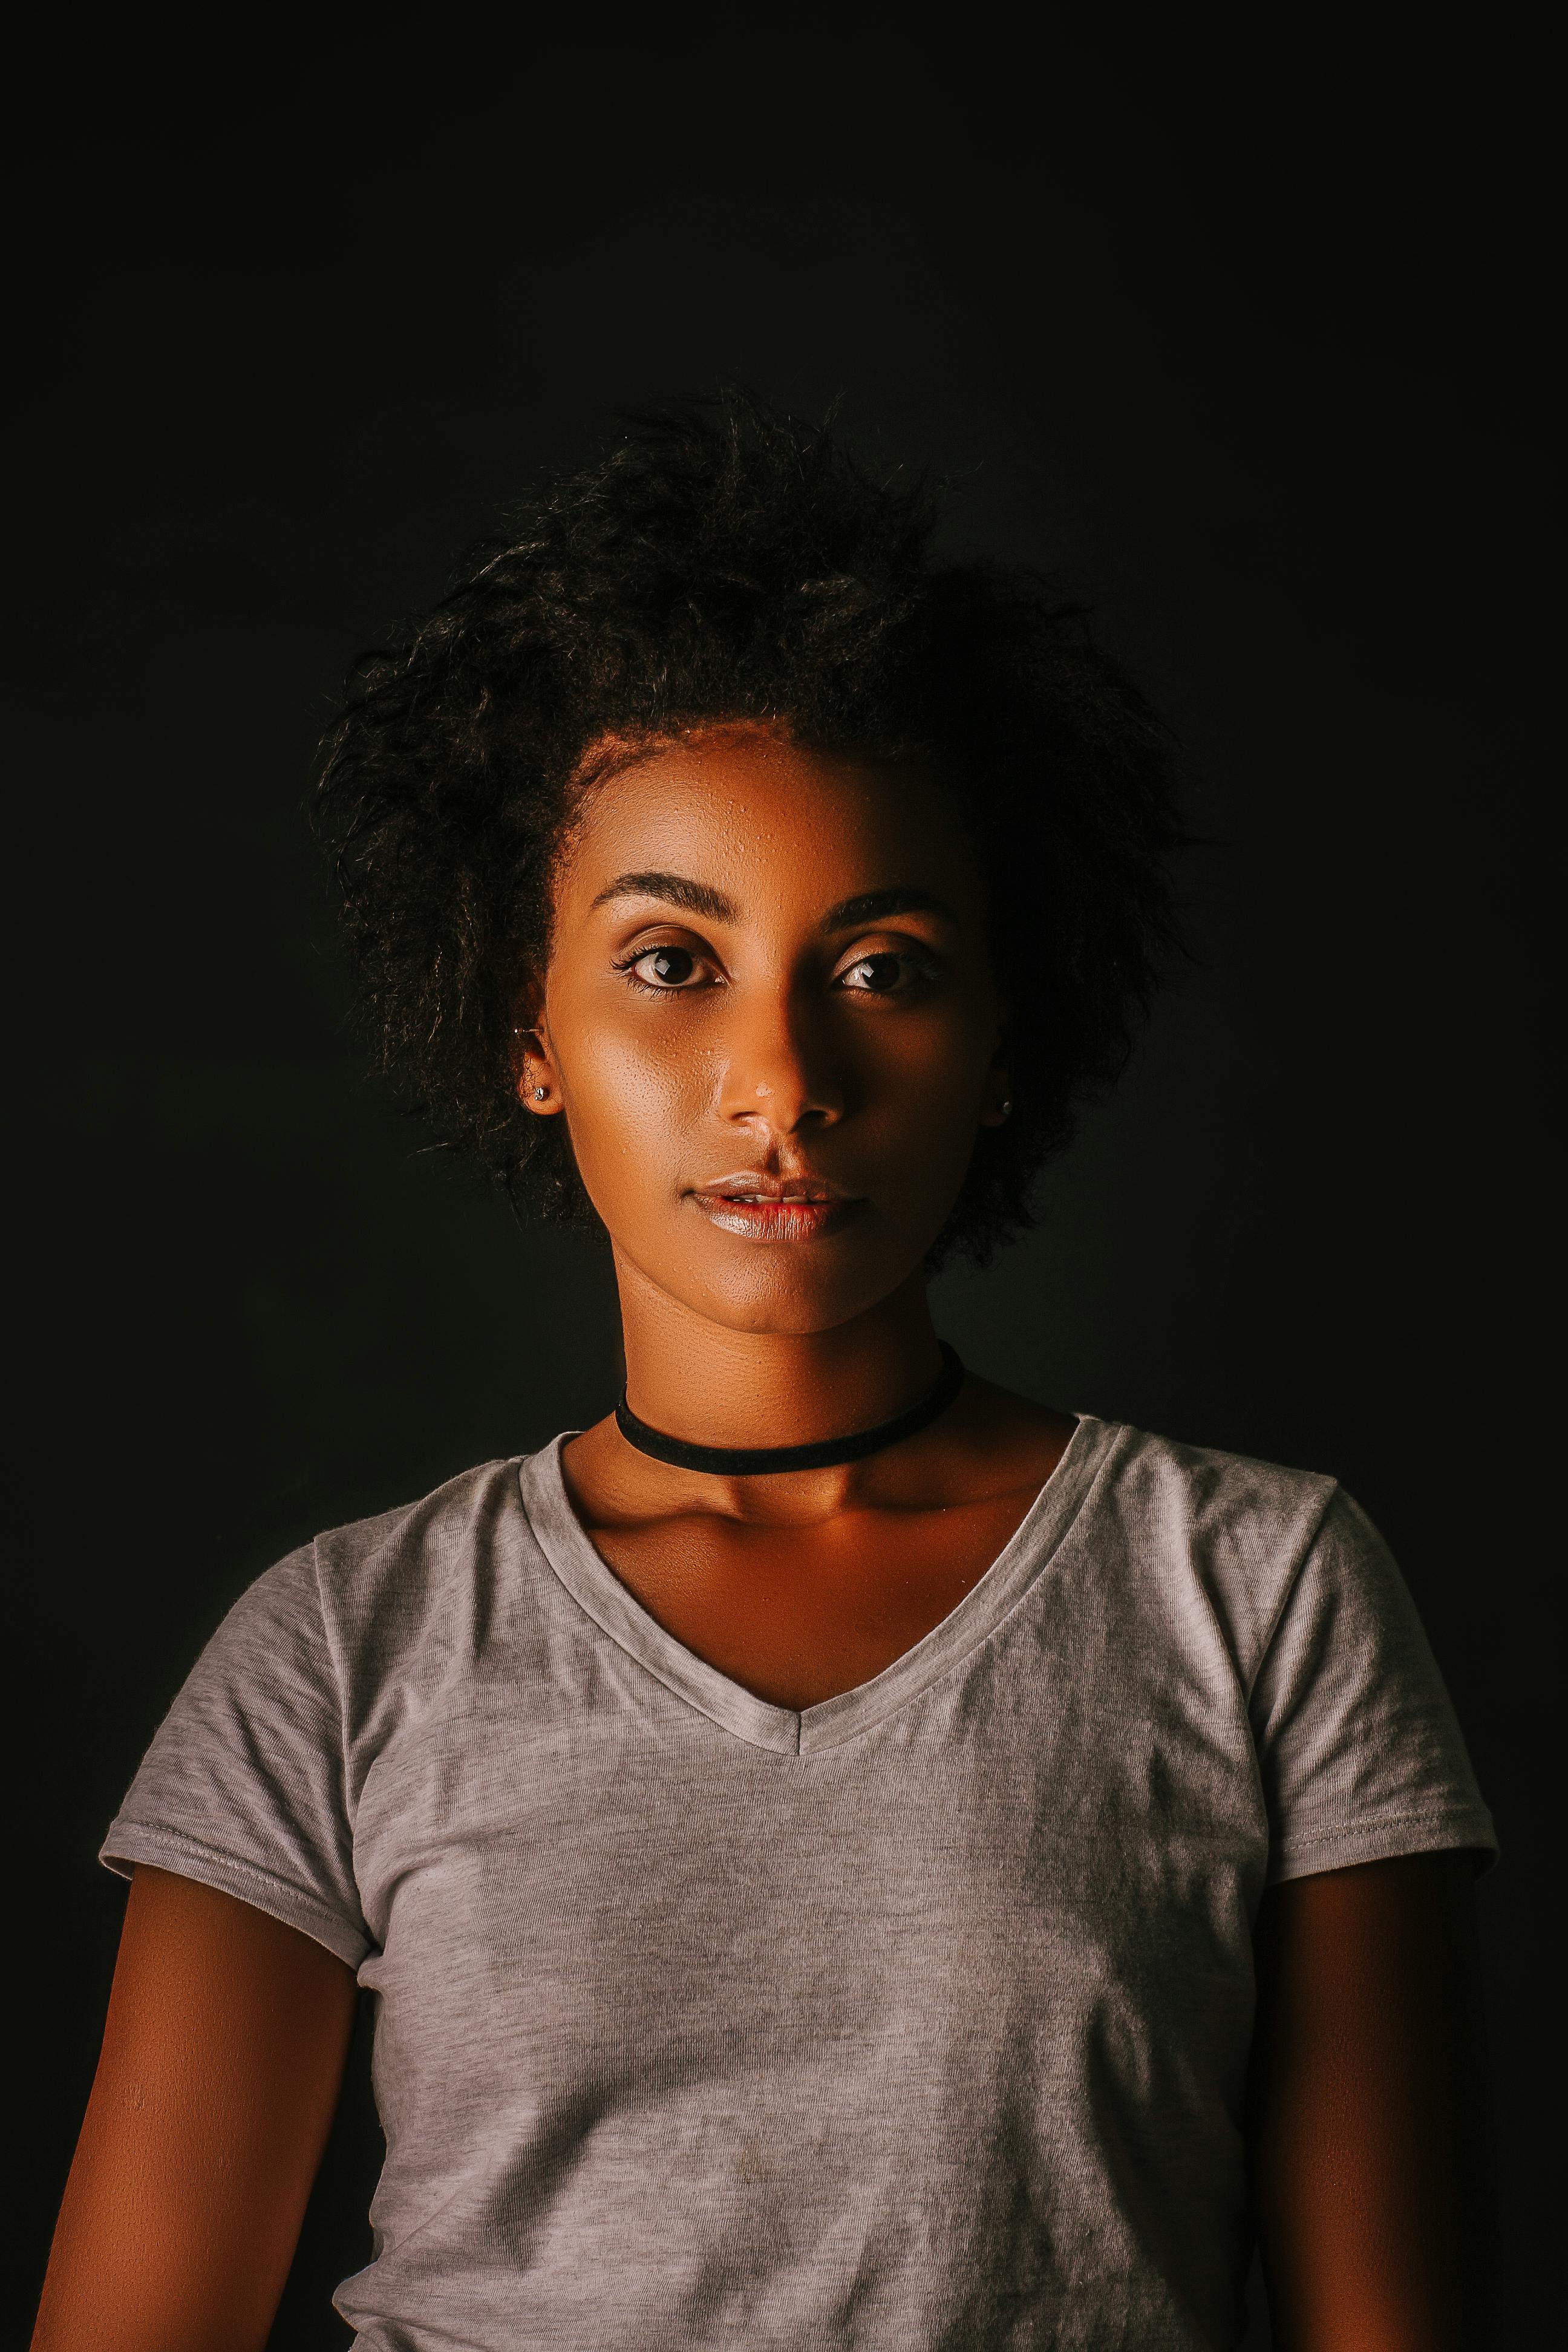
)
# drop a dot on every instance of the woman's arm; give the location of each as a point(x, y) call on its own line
point(1370, 2118)
point(223, 2055)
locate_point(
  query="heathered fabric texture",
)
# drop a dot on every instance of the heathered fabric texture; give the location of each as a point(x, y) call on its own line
point(916, 2019)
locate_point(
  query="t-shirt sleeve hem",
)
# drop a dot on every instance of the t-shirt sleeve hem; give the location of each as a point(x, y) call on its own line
point(129, 1843)
point(1339, 1848)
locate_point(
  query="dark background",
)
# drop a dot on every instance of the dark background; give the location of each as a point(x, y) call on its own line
point(1243, 325)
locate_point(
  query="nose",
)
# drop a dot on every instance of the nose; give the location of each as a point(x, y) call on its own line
point(779, 1068)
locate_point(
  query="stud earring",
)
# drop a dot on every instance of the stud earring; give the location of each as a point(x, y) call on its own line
point(1007, 1105)
point(540, 1093)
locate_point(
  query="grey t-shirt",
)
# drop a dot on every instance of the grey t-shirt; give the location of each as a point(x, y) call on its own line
point(916, 2018)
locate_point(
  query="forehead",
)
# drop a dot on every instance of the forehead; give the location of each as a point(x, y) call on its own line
point(771, 822)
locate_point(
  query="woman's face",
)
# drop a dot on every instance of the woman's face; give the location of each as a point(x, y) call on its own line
point(770, 1019)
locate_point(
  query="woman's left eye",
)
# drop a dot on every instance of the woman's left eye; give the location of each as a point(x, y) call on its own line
point(884, 974)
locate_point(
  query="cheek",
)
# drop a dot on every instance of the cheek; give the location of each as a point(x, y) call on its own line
point(628, 1108)
point(921, 1076)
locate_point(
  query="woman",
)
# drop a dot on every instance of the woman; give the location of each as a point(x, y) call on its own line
point(844, 1855)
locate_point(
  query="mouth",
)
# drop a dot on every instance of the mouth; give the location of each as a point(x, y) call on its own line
point(772, 1208)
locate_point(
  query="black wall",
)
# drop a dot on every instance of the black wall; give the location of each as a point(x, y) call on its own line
point(1241, 324)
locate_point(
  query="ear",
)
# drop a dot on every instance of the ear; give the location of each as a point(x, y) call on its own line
point(534, 1074)
point(996, 1102)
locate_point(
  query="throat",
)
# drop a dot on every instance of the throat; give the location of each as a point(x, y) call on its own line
point(857, 1444)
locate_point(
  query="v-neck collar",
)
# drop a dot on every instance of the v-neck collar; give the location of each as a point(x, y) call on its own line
point(801, 1731)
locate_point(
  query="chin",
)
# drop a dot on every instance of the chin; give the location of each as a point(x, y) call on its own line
point(792, 1302)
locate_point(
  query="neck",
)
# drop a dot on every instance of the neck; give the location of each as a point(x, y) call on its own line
point(715, 1386)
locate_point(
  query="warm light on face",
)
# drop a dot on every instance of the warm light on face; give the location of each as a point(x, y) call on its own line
point(771, 1021)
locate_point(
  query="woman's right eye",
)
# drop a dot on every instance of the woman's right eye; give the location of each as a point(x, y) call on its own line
point(663, 968)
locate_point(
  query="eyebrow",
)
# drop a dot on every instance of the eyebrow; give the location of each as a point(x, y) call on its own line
point(675, 890)
point(701, 898)
point(875, 906)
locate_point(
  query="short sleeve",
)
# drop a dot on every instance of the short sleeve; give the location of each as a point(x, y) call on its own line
point(243, 1786)
point(1360, 1749)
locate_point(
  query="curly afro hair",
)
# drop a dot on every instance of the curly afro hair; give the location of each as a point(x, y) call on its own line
point(723, 563)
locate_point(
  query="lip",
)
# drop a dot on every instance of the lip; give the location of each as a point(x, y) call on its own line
point(773, 1208)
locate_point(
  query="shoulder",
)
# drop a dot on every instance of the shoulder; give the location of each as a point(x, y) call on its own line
point(369, 1581)
point(332, 1633)
point(381, 1580)
point(1204, 1494)
point(435, 1530)
point(1227, 1530)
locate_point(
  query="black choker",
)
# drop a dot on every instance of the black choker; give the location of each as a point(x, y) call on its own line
point(822, 1453)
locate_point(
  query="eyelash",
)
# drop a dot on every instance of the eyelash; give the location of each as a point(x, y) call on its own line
point(627, 966)
point(925, 969)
